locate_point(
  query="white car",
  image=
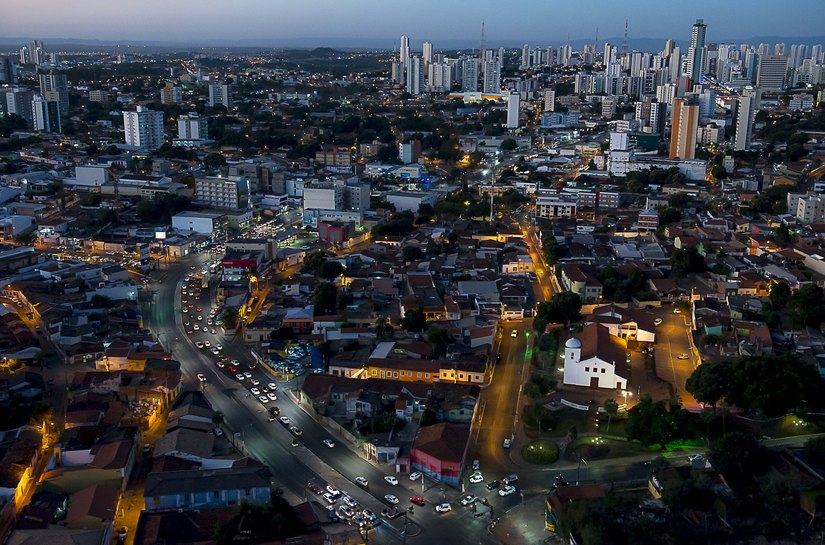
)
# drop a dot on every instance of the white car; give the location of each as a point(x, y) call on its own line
point(469, 499)
point(255, 381)
point(284, 420)
point(220, 364)
point(207, 343)
point(362, 481)
point(514, 333)
point(215, 351)
point(263, 399)
point(196, 327)
point(271, 396)
point(443, 508)
point(201, 377)
point(247, 374)
point(329, 442)
point(329, 497)
point(683, 357)
point(239, 376)
point(510, 479)
point(392, 480)
point(415, 475)
point(506, 443)
point(507, 490)
point(476, 477)
point(391, 499)
point(272, 386)
point(349, 501)
point(200, 318)
point(198, 344)
point(657, 321)
point(255, 391)
point(219, 346)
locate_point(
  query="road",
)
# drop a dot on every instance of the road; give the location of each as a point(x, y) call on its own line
point(673, 340)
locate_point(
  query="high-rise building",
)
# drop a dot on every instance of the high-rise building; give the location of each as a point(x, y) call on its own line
point(684, 126)
point(404, 50)
point(171, 94)
point(772, 72)
point(34, 53)
point(192, 127)
point(696, 51)
point(216, 192)
point(143, 128)
point(427, 53)
point(440, 77)
point(549, 100)
point(745, 109)
point(8, 70)
point(512, 111)
point(46, 115)
point(397, 73)
point(525, 57)
point(55, 88)
point(492, 77)
point(415, 76)
point(220, 94)
point(469, 75)
point(17, 101)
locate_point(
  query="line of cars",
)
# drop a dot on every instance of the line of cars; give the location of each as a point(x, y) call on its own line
point(344, 507)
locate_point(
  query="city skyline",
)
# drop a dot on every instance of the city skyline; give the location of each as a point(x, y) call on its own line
point(360, 23)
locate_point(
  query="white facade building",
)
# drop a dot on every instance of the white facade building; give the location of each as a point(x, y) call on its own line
point(596, 359)
point(143, 128)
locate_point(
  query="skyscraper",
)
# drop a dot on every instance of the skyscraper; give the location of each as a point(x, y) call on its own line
point(427, 52)
point(512, 111)
point(404, 50)
point(415, 76)
point(525, 56)
point(143, 128)
point(696, 51)
point(46, 115)
point(55, 88)
point(492, 77)
point(192, 127)
point(469, 75)
point(745, 108)
point(684, 126)
point(772, 72)
point(18, 101)
point(220, 94)
point(8, 70)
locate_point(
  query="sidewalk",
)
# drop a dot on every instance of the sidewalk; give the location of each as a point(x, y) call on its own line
point(523, 524)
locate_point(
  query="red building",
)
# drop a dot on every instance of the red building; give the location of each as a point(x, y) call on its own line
point(439, 450)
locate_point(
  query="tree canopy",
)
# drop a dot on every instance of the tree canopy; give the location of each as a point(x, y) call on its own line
point(562, 308)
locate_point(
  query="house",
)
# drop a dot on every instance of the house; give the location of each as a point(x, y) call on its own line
point(597, 359)
point(93, 507)
point(560, 498)
point(246, 480)
point(629, 324)
point(438, 451)
point(581, 282)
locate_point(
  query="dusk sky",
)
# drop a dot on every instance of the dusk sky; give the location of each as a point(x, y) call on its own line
point(536, 21)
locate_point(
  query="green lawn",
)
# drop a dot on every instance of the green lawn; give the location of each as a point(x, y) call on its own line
point(599, 448)
point(540, 452)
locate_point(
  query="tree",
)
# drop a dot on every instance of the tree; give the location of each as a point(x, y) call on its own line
point(101, 301)
point(412, 253)
point(508, 144)
point(773, 385)
point(440, 338)
point(780, 295)
point(719, 172)
point(214, 161)
point(653, 423)
point(710, 382)
point(562, 308)
point(816, 450)
point(414, 320)
point(612, 409)
point(807, 306)
point(324, 297)
point(531, 390)
point(549, 249)
point(782, 236)
point(739, 458)
point(687, 260)
point(331, 270)
point(383, 330)
point(229, 318)
point(313, 262)
point(283, 333)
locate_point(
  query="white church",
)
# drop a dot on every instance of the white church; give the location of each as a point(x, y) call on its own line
point(596, 359)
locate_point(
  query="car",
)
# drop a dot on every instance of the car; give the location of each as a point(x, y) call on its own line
point(196, 327)
point(332, 489)
point(212, 331)
point(560, 481)
point(235, 362)
point(207, 343)
point(220, 364)
point(362, 481)
point(443, 508)
point(392, 500)
point(274, 410)
point(476, 465)
point(215, 351)
point(201, 377)
point(219, 346)
point(657, 321)
point(696, 458)
point(199, 309)
point(329, 442)
point(392, 480)
point(271, 396)
point(359, 520)
point(329, 498)
point(677, 311)
point(476, 477)
point(121, 534)
point(186, 323)
point(255, 391)
point(683, 357)
point(514, 333)
point(209, 321)
point(272, 386)
point(349, 500)
point(344, 511)
point(315, 488)
point(469, 499)
point(418, 500)
point(507, 443)
point(510, 479)
point(233, 369)
point(198, 344)
point(492, 485)
point(200, 318)
point(296, 431)
point(247, 374)
point(415, 475)
point(507, 490)
point(295, 442)
point(217, 431)
point(184, 310)
point(190, 305)
point(239, 376)
point(263, 399)
point(284, 420)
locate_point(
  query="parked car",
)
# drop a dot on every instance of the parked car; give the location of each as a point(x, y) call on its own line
point(391, 479)
point(443, 508)
point(683, 357)
point(507, 490)
point(329, 442)
point(506, 443)
point(201, 377)
point(415, 475)
point(492, 485)
point(476, 477)
point(510, 479)
point(657, 321)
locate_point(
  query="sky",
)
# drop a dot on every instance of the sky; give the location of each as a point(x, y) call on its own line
point(538, 21)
